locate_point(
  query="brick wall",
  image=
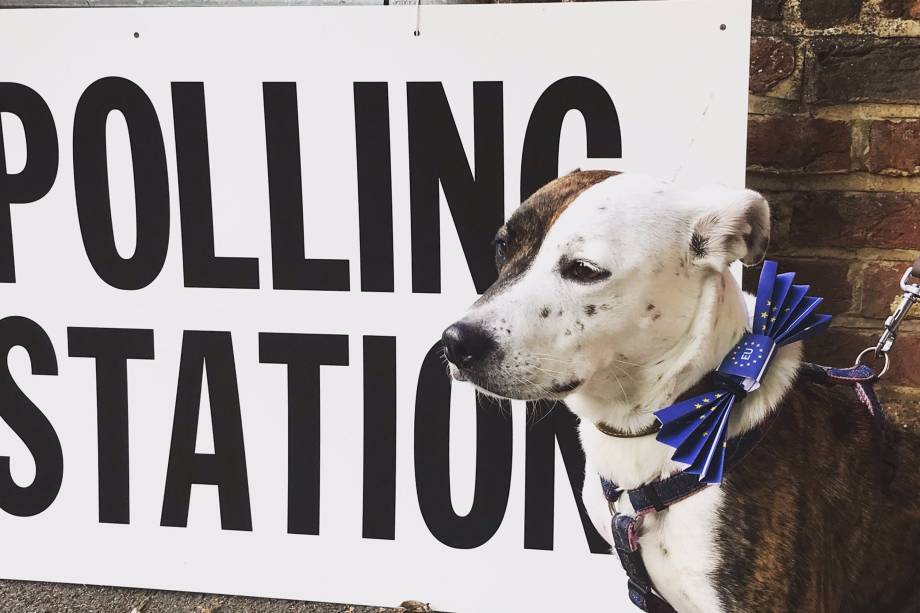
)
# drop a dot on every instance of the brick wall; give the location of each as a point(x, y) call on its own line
point(834, 144)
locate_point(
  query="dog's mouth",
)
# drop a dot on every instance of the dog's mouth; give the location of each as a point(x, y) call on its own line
point(524, 390)
point(473, 355)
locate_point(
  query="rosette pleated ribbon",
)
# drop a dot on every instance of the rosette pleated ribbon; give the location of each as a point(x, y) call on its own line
point(697, 427)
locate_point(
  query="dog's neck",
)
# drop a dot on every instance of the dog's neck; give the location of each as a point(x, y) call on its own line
point(628, 401)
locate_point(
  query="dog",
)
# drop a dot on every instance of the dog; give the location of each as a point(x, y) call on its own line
point(614, 295)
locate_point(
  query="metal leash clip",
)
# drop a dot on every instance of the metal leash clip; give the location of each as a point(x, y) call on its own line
point(890, 334)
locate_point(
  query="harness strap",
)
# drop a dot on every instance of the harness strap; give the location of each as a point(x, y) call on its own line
point(659, 495)
point(626, 543)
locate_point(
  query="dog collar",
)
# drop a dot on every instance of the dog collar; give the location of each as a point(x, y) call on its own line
point(651, 429)
point(697, 427)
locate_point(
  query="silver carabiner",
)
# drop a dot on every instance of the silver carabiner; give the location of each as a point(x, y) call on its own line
point(893, 322)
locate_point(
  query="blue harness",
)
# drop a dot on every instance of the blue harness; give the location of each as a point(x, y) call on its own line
point(659, 495)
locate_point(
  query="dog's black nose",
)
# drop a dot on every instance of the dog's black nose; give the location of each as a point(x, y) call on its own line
point(467, 344)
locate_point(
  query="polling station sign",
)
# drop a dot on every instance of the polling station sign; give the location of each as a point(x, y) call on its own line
point(229, 241)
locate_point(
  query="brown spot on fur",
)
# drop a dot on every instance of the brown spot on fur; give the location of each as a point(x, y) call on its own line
point(544, 313)
point(590, 309)
point(650, 307)
point(699, 245)
point(525, 230)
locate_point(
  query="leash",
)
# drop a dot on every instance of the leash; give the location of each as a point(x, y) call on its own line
point(657, 496)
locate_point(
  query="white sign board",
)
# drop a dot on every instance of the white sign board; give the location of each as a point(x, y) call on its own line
point(231, 236)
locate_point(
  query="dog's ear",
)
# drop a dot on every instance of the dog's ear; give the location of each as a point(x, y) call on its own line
point(734, 225)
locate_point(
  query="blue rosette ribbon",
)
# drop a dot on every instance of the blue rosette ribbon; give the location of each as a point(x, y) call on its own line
point(697, 427)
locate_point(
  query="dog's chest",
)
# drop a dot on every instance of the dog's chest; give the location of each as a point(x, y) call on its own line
point(677, 547)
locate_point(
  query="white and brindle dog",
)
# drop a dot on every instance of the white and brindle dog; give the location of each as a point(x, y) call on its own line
point(614, 294)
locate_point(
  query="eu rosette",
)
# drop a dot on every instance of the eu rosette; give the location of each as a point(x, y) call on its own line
point(697, 427)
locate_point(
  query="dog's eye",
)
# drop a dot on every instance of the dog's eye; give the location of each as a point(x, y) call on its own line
point(501, 251)
point(584, 272)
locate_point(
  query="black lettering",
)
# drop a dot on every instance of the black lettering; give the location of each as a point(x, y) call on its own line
point(540, 157)
point(40, 170)
point(303, 354)
point(91, 183)
point(554, 424)
point(201, 266)
point(379, 517)
point(475, 200)
point(112, 348)
point(28, 422)
point(375, 189)
point(226, 467)
point(432, 461)
point(285, 190)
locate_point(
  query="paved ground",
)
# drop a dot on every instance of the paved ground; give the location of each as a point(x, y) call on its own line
point(31, 597)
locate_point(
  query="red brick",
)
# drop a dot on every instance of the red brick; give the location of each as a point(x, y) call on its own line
point(863, 69)
point(904, 412)
point(771, 10)
point(772, 60)
point(887, 220)
point(826, 13)
point(840, 346)
point(798, 143)
point(894, 147)
point(880, 289)
point(781, 206)
point(903, 9)
point(827, 278)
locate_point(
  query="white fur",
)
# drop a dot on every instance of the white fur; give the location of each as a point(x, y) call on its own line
point(664, 318)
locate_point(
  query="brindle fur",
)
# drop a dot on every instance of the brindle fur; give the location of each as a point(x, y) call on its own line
point(808, 522)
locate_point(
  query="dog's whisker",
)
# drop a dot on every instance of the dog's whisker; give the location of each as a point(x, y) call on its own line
point(547, 356)
point(622, 389)
point(545, 415)
point(624, 371)
point(553, 372)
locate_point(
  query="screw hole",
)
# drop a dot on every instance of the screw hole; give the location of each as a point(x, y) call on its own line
point(137, 35)
point(415, 33)
point(722, 27)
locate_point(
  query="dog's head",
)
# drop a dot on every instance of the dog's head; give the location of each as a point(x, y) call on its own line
point(599, 271)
